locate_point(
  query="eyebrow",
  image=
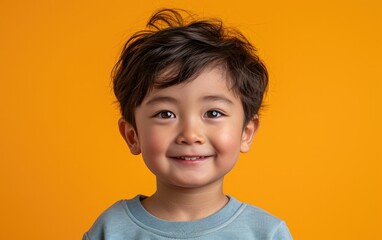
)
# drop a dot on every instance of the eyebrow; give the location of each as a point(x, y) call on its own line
point(217, 98)
point(209, 98)
point(161, 99)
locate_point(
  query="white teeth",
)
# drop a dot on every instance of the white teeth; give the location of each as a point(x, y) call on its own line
point(189, 158)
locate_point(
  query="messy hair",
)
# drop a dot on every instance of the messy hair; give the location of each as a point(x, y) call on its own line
point(172, 51)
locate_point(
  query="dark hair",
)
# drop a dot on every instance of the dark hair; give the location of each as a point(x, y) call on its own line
point(172, 51)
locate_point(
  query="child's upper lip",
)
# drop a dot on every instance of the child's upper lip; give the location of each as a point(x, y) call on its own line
point(190, 155)
point(193, 156)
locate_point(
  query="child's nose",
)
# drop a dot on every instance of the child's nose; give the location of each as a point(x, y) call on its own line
point(191, 132)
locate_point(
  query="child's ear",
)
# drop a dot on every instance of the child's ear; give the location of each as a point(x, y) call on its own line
point(248, 133)
point(130, 135)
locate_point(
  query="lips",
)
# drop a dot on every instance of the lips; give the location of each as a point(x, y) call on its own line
point(191, 158)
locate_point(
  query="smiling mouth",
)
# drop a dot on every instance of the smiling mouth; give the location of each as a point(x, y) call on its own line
point(191, 158)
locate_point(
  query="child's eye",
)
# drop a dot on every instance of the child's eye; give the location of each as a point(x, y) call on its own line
point(213, 114)
point(165, 115)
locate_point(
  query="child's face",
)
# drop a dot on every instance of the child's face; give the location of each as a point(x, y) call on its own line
point(190, 134)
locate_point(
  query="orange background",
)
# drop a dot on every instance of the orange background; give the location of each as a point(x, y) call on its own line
point(315, 163)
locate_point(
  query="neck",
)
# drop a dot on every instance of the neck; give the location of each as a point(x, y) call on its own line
point(185, 204)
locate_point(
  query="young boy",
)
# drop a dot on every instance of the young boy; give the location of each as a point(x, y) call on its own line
point(189, 94)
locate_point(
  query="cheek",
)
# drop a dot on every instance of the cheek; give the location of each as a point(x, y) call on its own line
point(226, 143)
point(227, 140)
point(152, 148)
point(153, 142)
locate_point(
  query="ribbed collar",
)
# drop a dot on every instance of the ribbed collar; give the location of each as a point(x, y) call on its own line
point(214, 222)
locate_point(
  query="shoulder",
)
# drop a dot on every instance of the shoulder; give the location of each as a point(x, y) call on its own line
point(113, 214)
point(262, 224)
point(257, 215)
point(113, 220)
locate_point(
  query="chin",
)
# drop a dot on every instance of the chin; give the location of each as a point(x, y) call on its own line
point(197, 183)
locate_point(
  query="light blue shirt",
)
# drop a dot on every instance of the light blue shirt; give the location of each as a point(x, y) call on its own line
point(127, 219)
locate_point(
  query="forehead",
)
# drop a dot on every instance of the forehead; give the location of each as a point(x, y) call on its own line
point(211, 81)
point(175, 74)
